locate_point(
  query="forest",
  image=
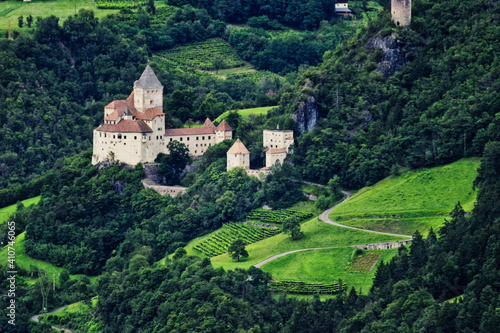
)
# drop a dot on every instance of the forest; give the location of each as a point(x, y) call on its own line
point(430, 98)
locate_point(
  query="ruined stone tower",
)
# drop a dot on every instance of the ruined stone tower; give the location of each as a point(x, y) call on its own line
point(401, 12)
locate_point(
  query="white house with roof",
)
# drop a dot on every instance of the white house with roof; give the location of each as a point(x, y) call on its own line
point(276, 141)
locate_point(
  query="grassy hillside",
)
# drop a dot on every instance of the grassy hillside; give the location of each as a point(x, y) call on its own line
point(202, 55)
point(26, 263)
point(245, 113)
point(11, 10)
point(316, 234)
point(9, 210)
point(324, 266)
point(415, 200)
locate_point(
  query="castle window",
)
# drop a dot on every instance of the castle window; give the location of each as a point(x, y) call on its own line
point(195, 151)
point(149, 138)
point(157, 137)
point(135, 137)
point(113, 136)
point(196, 145)
point(119, 136)
point(203, 138)
point(208, 137)
point(124, 143)
point(170, 139)
point(187, 138)
point(150, 102)
point(197, 138)
point(161, 137)
point(209, 144)
point(181, 139)
point(124, 136)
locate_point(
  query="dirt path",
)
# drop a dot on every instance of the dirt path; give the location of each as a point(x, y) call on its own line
point(61, 329)
point(324, 217)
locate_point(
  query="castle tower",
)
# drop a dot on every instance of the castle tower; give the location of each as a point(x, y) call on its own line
point(148, 91)
point(238, 156)
point(401, 12)
point(223, 132)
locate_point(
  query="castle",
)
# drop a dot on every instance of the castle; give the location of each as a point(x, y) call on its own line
point(134, 129)
point(277, 143)
point(401, 12)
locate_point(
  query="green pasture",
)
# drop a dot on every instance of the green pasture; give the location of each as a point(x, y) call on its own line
point(316, 234)
point(415, 200)
point(324, 266)
point(9, 210)
point(24, 262)
point(245, 113)
point(11, 10)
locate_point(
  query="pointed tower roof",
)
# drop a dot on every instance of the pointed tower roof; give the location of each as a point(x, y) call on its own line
point(208, 123)
point(238, 148)
point(148, 80)
point(223, 126)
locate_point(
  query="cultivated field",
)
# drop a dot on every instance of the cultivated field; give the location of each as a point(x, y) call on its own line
point(245, 113)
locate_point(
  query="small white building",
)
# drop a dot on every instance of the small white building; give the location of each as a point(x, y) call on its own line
point(277, 142)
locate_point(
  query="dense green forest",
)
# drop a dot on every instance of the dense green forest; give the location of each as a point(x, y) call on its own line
point(431, 98)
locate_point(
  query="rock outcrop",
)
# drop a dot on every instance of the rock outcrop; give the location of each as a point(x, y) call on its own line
point(306, 115)
point(394, 56)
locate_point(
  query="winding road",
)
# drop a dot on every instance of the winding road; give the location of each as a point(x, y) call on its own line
point(61, 329)
point(324, 217)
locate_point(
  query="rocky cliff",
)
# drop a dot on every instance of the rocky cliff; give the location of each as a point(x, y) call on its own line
point(394, 55)
point(306, 115)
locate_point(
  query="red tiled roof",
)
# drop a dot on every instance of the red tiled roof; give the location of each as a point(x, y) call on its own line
point(149, 114)
point(223, 126)
point(238, 148)
point(120, 106)
point(126, 126)
point(276, 151)
point(208, 123)
point(189, 131)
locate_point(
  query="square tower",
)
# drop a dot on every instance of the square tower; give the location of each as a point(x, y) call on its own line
point(148, 91)
point(401, 12)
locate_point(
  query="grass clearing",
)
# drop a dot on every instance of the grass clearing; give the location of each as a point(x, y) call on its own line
point(415, 200)
point(9, 210)
point(324, 266)
point(316, 234)
point(24, 262)
point(245, 113)
point(11, 10)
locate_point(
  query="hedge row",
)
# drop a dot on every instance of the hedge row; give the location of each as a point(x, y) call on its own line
point(276, 216)
point(304, 288)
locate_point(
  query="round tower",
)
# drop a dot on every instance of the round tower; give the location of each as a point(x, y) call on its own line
point(401, 12)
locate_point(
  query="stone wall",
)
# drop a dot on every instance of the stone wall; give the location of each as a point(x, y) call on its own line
point(163, 190)
point(383, 246)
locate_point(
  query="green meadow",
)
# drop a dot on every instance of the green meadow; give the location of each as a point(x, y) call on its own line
point(317, 234)
point(245, 113)
point(415, 200)
point(26, 263)
point(9, 210)
point(11, 10)
point(324, 266)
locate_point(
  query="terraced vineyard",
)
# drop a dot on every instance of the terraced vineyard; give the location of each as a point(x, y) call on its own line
point(201, 55)
point(117, 4)
point(219, 242)
point(303, 288)
point(276, 216)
